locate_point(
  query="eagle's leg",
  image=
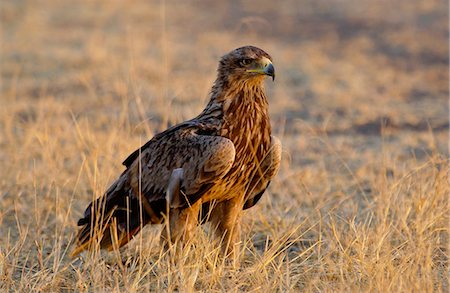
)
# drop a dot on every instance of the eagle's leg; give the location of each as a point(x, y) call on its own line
point(181, 221)
point(180, 225)
point(226, 219)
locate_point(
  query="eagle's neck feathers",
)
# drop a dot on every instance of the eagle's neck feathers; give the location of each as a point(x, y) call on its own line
point(244, 101)
point(241, 111)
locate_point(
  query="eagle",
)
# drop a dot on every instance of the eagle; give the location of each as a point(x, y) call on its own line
point(207, 169)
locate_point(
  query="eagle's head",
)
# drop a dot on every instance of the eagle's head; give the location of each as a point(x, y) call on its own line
point(247, 63)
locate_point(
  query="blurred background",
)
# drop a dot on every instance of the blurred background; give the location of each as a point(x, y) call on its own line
point(347, 70)
point(362, 89)
point(344, 67)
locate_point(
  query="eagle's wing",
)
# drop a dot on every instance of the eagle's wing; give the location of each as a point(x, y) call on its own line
point(203, 159)
point(268, 169)
point(190, 151)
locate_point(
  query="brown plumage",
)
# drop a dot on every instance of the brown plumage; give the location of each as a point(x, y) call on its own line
point(209, 168)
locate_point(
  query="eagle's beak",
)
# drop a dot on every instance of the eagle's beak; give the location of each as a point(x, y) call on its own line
point(270, 71)
point(264, 66)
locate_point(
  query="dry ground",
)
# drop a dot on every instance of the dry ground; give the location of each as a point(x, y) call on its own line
point(360, 103)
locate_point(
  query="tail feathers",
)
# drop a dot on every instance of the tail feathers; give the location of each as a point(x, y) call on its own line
point(110, 222)
point(110, 239)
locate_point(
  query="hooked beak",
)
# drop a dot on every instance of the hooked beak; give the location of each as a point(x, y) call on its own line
point(270, 71)
point(264, 66)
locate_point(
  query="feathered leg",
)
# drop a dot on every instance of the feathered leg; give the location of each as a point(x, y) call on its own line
point(226, 219)
point(180, 225)
point(181, 222)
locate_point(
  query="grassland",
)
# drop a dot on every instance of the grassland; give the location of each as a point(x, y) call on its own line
point(360, 103)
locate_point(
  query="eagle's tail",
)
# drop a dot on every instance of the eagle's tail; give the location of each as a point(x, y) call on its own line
point(110, 221)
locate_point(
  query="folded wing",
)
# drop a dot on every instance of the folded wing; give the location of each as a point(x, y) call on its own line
point(138, 196)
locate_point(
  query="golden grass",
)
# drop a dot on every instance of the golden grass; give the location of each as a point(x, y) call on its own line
point(357, 206)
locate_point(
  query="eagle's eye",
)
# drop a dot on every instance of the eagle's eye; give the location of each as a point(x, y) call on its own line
point(246, 61)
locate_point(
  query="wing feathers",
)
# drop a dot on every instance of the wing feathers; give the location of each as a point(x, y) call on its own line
point(204, 160)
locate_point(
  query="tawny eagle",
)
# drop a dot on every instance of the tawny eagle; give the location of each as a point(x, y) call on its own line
point(209, 168)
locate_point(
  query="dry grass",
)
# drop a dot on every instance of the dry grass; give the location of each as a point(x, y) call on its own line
point(360, 103)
